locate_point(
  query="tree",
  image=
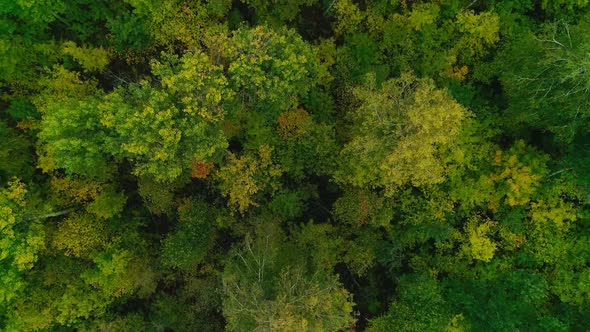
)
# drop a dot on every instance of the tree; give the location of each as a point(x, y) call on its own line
point(91, 59)
point(398, 132)
point(188, 245)
point(544, 72)
point(271, 71)
point(268, 286)
point(22, 239)
point(442, 41)
point(72, 290)
point(247, 177)
point(277, 11)
point(165, 129)
point(305, 146)
point(15, 154)
point(79, 235)
point(68, 104)
point(421, 306)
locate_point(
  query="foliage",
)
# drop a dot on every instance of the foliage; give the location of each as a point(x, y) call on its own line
point(164, 130)
point(398, 131)
point(15, 150)
point(271, 70)
point(21, 241)
point(277, 11)
point(546, 71)
point(189, 243)
point(244, 177)
point(294, 165)
point(268, 290)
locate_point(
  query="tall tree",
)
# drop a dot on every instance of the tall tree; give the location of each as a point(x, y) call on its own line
point(398, 132)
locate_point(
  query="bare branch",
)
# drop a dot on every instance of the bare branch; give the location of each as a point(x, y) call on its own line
point(51, 215)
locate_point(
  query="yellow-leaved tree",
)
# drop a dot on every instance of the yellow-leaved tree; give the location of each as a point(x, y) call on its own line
point(21, 238)
point(398, 133)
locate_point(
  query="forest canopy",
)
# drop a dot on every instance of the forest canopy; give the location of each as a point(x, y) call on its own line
point(294, 165)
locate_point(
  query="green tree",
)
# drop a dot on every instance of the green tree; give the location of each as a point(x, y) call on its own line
point(546, 71)
point(277, 11)
point(165, 129)
point(68, 104)
point(188, 245)
point(271, 71)
point(269, 286)
point(421, 306)
point(162, 129)
point(15, 154)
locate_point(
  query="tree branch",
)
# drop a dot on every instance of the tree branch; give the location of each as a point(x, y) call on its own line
point(51, 215)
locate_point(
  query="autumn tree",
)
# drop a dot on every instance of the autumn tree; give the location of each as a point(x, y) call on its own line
point(249, 176)
point(271, 71)
point(397, 133)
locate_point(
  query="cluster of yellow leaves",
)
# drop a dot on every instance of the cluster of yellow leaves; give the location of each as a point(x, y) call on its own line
point(79, 235)
point(556, 211)
point(457, 72)
point(551, 220)
point(9, 214)
point(456, 324)
point(482, 30)
point(75, 189)
point(16, 192)
point(478, 245)
point(199, 83)
point(243, 177)
point(21, 247)
point(422, 14)
point(91, 59)
point(170, 21)
point(241, 194)
point(399, 133)
point(63, 86)
point(520, 178)
point(433, 119)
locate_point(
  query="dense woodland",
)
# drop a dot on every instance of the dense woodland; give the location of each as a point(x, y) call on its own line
point(294, 165)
